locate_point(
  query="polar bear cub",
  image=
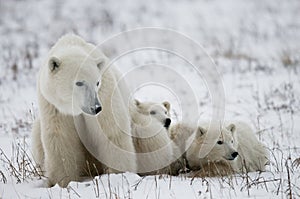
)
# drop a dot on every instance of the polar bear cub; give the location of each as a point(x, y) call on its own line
point(190, 139)
point(236, 149)
point(150, 122)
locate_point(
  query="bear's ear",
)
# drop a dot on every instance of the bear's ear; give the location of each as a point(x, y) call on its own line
point(167, 105)
point(137, 102)
point(54, 64)
point(201, 131)
point(231, 128)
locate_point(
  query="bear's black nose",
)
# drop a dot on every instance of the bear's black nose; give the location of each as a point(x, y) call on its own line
point(167, 122)
point(98, 109)
point(234, 154)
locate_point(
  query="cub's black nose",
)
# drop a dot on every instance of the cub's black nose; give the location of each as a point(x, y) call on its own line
point(234, 154)
point(167, 122)
point(98, 109)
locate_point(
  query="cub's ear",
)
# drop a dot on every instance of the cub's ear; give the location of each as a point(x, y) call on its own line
point(136, 102)
point(167, 105)
point(231, 128)
point(200, 131)
point(54, 64)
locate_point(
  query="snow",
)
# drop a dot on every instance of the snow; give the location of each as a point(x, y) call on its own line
point(255, 45)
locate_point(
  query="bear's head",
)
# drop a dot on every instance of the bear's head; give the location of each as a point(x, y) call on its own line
point(225, 148)
point(154, 111)
point(70, 81)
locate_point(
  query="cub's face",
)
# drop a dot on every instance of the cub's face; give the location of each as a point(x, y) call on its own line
point(226, 146)
point(156, 111)
point(71, 83)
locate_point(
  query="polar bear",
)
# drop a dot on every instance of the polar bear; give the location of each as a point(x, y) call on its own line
point(236, 149)
point(190, 139)
point(150, 123)
point(73, 87)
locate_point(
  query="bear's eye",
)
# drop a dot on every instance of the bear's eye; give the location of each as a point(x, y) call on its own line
point(231, 141)
point(152, 112)
point(220, 142)
point(101, 64)
point(79, 83)
point(166, 112)
point(98, 83)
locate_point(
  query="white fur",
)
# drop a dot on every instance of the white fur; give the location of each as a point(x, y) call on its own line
point(252, 152)
point(151, 140)
point(110, 132)
point(56, 143)
point(38, 150)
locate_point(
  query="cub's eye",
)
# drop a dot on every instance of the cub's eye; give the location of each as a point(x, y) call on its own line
point(166, 112)
point(220, 142)
point(98, 83)
point(152, 112)
point(231, 141)
point(79, 83)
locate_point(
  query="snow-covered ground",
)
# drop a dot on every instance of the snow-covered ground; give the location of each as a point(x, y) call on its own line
point(255, 45)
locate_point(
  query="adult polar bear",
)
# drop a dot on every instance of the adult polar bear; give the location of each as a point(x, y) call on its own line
point(67, 86)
